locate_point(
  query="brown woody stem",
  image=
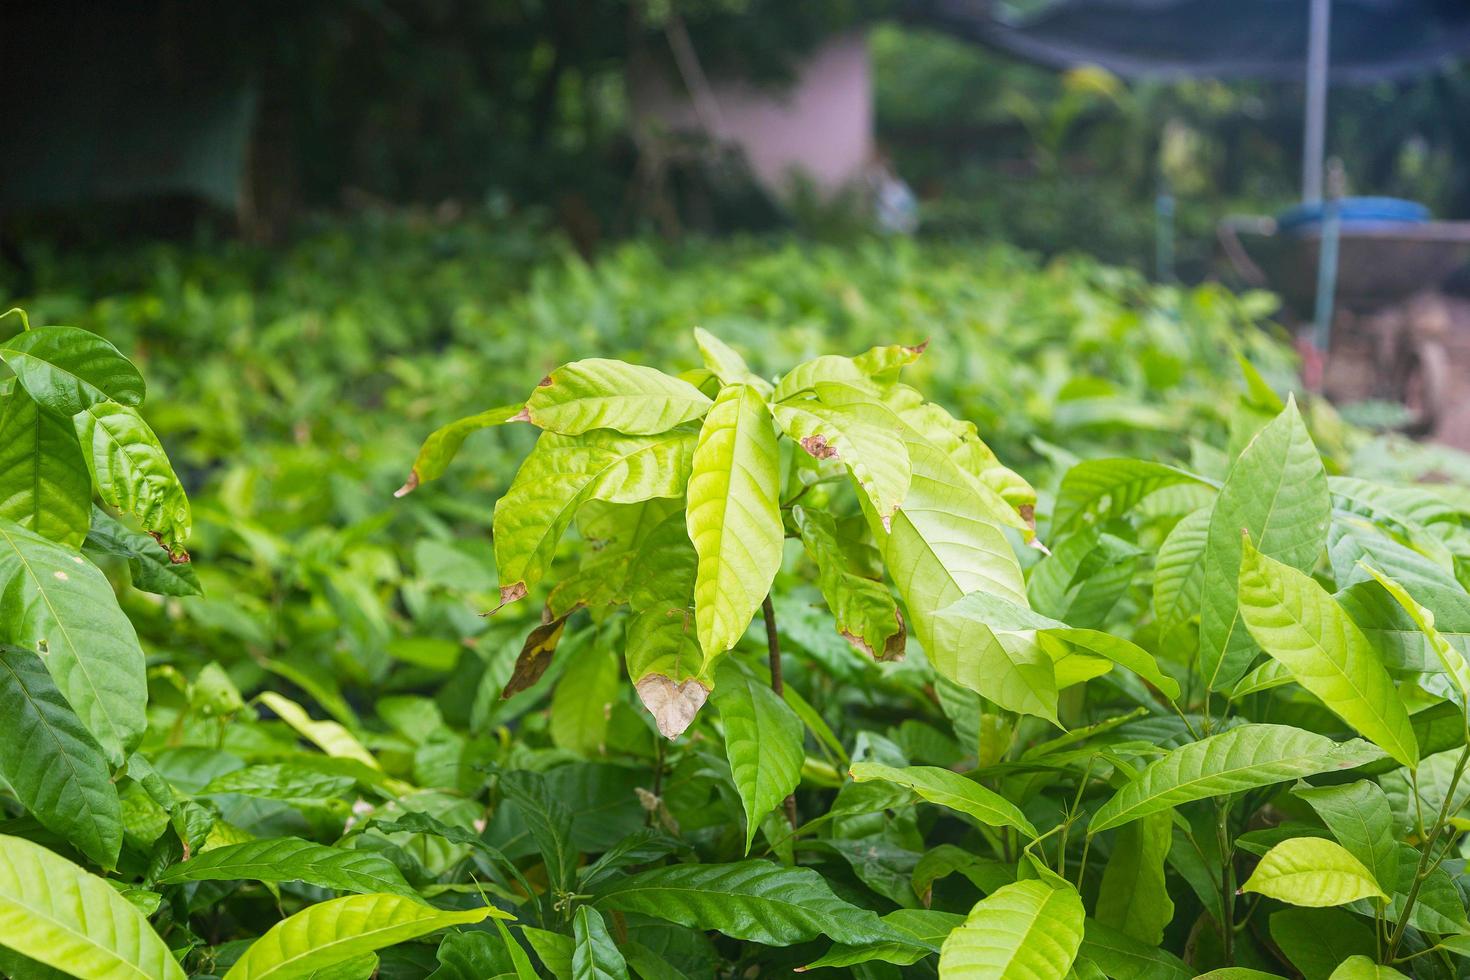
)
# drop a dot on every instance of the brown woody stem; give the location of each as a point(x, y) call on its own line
point(778, 684)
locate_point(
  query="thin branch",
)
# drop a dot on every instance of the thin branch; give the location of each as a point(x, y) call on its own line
point(778, 684)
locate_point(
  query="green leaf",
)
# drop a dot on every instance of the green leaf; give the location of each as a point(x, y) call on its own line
point(1239, 759)
point(329, 736)
point(52, 763)
point(67, 369)
point(755, 901)
point(1363, 968)
point(665, 663)
point(1360, 817)
point(1315, 941)
point(52, 600)
point(1134, 898)
point(1125, 958)
point(151, 566)
point(999, 614)
point(44, 483)
point(763, 741)
point(595, 956)
point(562, 473)
point(725, 363)
point(581, 704)
point(56, 913)
point(1312, 872)
point(597, 393)
point(549, 822)
point(1102, 489)
point(132, 473)
point(1450, 658)
point(1276, 490)
point(861, 433)
point(343, 929)
point(1296, 622)
point(923, 929)
point(734, 516)
point(949, 789)
point(1031, 929)
point(443, 444)
point(292, 859)
point(867, 615)
point(287, 782)
point(1179, 572)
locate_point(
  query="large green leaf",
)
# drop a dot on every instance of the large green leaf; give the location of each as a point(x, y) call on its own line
point(44, 483)
point(1134, 898)
point(665, 663)
point(867, 615)
point(132, 472)
point(52, 600)
point(581, 705)
point(1239, 759)
point(861, 433)
point(949, 789)
point(1179, 572)
point(151, 566)
point(597, 393)
point(763, 741)
point(734, 516)
point(560, 474)
point(595, 956)
point(292, 859)
point(288, 782)
point(1124, 958)
point(1316, 941)
point(1106, 488)
point(1297, 622)
point(1363, 968)
point(52, 763)
point(67, 369)
point(56, 913)
point(755, 901)
point(1450, 658)
point(924, 931)
point(1312, 872)
point(1028, 929)
point(1360, 817)
point(1002, 615)
point(443, 444)
point(343, 929)
point(1277, 490)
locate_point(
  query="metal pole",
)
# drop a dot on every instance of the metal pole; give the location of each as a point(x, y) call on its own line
point(1314, 143)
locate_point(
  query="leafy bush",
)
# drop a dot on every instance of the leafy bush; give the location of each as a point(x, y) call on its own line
point(1027, 705)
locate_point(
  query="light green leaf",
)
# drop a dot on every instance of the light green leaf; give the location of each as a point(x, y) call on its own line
point(56, 913)
point(581, 704)
point(861, 433)
point(44, 483)
point(288, 782)
point(1107, 488)
point(52, 763)
point(949, 789)
point(734, 516)
point(563, 472)
point(1363, 968)
point(1031, 929)
point(595, 956)
point(332, 738)
point(664, 660)
point(1276, 490)
point(132, 473)
point(597, 393)
point(1312, 872)
point(755, 901)
point(67, 369)
point(1360, 817)
point(443, 444)
point(54, 601)
point(763, 741)
point(1239, 759)
point(1134, 898)
point(343, 929)
point(1296, 622)
point(1450, 657)
point(725, 363)
point(1002, 615)
point(1179, 572)
point(292, 859)
point(867, 615)
point(1237, 973)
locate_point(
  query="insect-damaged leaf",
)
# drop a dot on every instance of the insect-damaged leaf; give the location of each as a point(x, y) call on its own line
point(858, 431)
point(668, 669)
point(867, 615)
point(734, 516)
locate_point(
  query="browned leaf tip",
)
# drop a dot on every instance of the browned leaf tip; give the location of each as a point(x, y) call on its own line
point(918, 348)
point(524, 415)
point(514, 592)
point(544, 382)
point(1028, 514)
point(535, 656)
point(673, 706)
point(818, 446)
point(176, 556)
point(409, 485)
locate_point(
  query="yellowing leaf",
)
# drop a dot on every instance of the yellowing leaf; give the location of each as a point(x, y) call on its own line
point(1312, 872)
point(598, 393)
point(1029, 929)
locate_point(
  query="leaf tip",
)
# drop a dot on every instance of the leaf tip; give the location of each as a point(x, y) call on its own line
point(409, 485)
point(672, 705)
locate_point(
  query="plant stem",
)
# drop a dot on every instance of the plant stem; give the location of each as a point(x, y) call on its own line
point(1423, 870)
point(778, 684)
point(1227, 881)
